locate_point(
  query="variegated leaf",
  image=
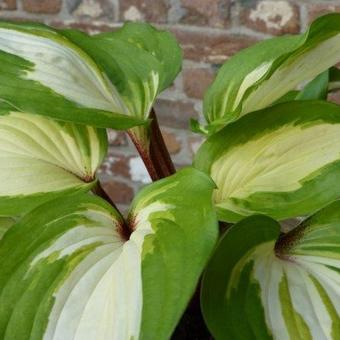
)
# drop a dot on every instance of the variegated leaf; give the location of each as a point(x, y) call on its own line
point(318, 88)
point(139, 60)
point(42, 72)
point(315, 89)
point(260, 75)
point(161, 46)
point(80, 273)
point(106, 84)
point(41, 158)
point(283, 161)
point(260, 285)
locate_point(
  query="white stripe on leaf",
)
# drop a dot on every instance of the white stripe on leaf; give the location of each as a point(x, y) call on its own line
point(249, 81)
point(277, 161)
point(101, 297)
point(299, 270)
point(269, 281)
point(93, 281)
point(63, 68)
point(292, 72)
point(38, 154)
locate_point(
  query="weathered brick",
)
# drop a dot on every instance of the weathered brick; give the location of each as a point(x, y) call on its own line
point(173, 144)
point(175, 114)
point(42, 6)
point(116, 164)
point(148, 10)
point(138, 171)
point(214, 13)
point(317, 10)
point(197, 80)
point(92, 9)
point(117, 138)
point(212, 48)
point(272, 16)
point(8, 5)
point(120, 166)
point(88, 26)
point(120, 193)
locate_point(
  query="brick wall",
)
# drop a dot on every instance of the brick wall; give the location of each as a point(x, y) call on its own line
point(209, 31)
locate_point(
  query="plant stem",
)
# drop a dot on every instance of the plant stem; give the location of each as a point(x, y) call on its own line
point(155, 156)
point(144, 154)
point(159, 153)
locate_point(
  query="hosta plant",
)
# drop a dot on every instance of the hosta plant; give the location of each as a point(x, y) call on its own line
point(202, 253)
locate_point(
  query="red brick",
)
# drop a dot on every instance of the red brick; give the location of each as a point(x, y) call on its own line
point(93, 9)
point(196, 81)
point(42, 6)
point(175, 114)
point(120, 166)
point(214, 13)
point(317, 10)
point(8, 4)
point(173, 144)
point(84, 25)
point(120, 193)
point(212, 48)
point(116, 164)
point(117, 138)
point(146, 10)
point(272, 16)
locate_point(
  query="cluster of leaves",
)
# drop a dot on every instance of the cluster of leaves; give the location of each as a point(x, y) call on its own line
point(73, 268)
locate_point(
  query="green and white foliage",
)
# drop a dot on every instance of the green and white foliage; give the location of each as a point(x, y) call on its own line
point(161, 56)
point(139, 60)
point(260, 285)
point(318, 88)
point(41, 159)
point(282, 161)
point(258, 76)
point(80, 274)
point(70, 76)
